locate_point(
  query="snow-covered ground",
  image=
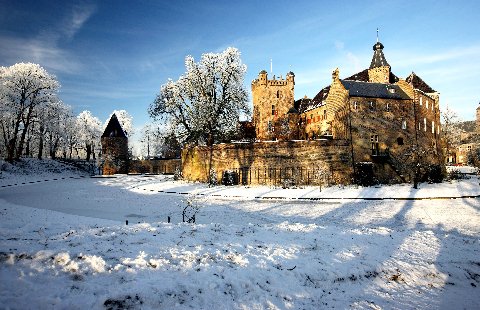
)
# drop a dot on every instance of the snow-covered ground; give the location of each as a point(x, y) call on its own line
point(64, 243)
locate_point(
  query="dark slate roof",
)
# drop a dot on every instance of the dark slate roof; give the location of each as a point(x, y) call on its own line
point(114, 129)
point(317, 101)
point(374, 90)
point(301, 104)
point(418, 83)
point(362, 76)
point(378, 59)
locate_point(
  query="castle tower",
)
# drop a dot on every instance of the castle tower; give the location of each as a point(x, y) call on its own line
point(477, 127)
point(114, 148)
point(272, 99)
point(379, 71)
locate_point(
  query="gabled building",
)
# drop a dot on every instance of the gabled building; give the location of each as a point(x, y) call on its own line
point(114, 148)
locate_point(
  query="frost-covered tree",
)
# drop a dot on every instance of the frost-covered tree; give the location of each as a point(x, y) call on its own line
point(57, 119)
point(89, 130)
point(450, 134)
point(24, 87)
point(204, 105)
point(159, 141)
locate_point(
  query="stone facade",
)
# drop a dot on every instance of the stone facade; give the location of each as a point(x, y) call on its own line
point(273, 99)
point(271, 162)
point(477, 121)
point(381, 121)
point(155, 166)
point(388, 120)
point(114, 148)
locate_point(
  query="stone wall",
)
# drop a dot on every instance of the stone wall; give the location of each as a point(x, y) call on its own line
point(271, 162)
point(155, 166)
point(114, 155)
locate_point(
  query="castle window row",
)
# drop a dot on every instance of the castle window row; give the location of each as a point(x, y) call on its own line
point(373, 106)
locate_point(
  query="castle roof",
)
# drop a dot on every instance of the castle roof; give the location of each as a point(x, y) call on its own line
point(418, 83)
point(374, 90)
point(114, 129)
point(317, 101)
point(362, 76)
point(378, 59)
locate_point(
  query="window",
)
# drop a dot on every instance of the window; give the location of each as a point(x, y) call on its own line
point(404, 124)
point(324, 114)
point(419, 126)
point(400, 141)
point(424, 124)
point(421, 100)
point(355, 105)
point(387, 106)
point(374, 143)
point(270, 127)
point(433, 126)
point(371, 104)
point(278, 94)
point(426, 104)
point(273, 109)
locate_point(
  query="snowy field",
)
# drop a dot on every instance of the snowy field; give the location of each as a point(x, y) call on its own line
point(64, 244)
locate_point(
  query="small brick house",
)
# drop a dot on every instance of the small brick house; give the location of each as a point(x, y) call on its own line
point(114, 148)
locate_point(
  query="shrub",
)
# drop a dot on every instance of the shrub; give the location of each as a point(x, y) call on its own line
point(229, 178)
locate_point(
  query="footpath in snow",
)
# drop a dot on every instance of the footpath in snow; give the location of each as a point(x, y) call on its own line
point(64, 244)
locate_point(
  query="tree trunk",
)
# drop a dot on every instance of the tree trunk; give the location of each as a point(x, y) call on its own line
point(13, 141)
point(88, 149)
point(24, 132)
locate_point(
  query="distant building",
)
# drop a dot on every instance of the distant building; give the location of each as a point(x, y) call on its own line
point(114, 148)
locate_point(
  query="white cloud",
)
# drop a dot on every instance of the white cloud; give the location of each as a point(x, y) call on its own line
point(74, 22)
point(44, 48)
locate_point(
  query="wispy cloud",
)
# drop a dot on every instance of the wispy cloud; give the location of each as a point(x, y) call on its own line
point(74, 22)
point(45, 47)
point(39, 51)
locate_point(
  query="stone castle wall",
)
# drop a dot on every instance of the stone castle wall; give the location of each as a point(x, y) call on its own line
point(155, 166)
point(271, 162)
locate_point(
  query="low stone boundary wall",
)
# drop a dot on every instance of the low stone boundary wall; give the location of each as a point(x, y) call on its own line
point(275, 163)
point(156, 166)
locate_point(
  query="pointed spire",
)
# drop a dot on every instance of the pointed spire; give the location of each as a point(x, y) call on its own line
point(378, 59)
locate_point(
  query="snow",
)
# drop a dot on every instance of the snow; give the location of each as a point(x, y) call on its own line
point(64, 243)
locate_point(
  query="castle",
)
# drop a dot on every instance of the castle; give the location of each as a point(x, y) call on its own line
point(371, 123)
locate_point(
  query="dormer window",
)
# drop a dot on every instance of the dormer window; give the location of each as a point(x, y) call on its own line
point(391, 90)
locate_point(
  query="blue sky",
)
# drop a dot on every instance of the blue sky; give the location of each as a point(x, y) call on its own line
point(111, 55)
